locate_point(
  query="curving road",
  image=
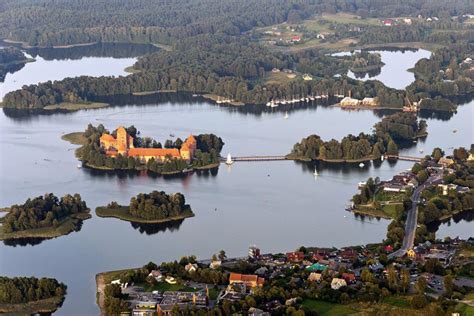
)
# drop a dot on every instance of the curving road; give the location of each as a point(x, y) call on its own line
point(412, 216)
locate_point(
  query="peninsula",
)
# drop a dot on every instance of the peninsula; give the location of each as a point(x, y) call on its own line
point(44, 217)
point(124, 149)
point(155, 207)
point(11, 60)
point(29, 295)
point(388, 134)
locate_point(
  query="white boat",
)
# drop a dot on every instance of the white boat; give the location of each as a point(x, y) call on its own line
point(318, 97)
point(315, 173)
point(306, 99)
point(421, 151)
point(229, 160)
point(361, 165)
point(311, 98)
point(195, 95)
point(269, 104)
point(283, 102)
point(79, 166)
point(382, 157)
point(286, 115)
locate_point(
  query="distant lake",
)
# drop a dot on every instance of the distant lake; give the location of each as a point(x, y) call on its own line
point(59, 63)
point(394, 73)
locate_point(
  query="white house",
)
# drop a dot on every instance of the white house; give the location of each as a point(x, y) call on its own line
point(337, 283)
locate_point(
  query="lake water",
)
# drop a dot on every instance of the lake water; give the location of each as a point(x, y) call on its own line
point(395, 72)
point(278, 206)
point(57, 64)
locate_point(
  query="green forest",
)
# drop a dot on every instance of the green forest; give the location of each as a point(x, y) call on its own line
point(212, 49)
point(392, 129)
point(42, 211)
point(154, 206)
point(23, 289)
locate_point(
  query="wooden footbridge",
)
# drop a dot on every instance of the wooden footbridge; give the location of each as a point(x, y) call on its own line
point(276, 158)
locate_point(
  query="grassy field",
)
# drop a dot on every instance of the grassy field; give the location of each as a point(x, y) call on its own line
point(65, 227)
point(42, 306)
point(397, 301)
point(76, 106)
point(76, 138)
point(123, 214)
point(327, 309)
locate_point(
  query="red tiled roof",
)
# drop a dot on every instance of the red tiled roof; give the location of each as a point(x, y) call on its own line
point(153, 152)
point(107, 137)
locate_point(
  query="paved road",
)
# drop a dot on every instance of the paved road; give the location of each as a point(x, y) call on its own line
point(412, 217)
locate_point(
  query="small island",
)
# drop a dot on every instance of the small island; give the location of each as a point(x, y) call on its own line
point(125, 149)
point(29, 295)
point(388, 134)
point(152, 208)
point(44, 217)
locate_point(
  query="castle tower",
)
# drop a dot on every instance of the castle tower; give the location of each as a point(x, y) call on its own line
point(122, 140)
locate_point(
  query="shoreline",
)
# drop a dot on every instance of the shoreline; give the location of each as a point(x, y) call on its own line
point(65, 227)
point(121, 213)
point(27, 46)
point(44, 306)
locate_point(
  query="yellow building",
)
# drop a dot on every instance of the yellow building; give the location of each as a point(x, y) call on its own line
point(411, 253)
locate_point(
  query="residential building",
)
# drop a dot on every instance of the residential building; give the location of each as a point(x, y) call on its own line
point(254, 252)
point(190, 267)
point(337, 283)
point(296, 256)
point(250, 280)
point(315, 277)
point(349, 102)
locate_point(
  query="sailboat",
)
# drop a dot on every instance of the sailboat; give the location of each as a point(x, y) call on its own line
point(286, 115)
point(229, 160)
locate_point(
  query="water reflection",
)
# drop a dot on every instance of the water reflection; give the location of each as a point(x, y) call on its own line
point(115, 50)
point(467, 216)
point(34, 241)
point(152, 229)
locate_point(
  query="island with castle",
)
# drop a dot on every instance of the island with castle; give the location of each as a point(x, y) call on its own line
point(125, 149)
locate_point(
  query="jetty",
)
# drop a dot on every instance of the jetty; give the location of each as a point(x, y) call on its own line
point(229, 160)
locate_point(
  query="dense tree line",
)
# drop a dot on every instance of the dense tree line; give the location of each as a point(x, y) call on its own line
point(42, 211)
point(157, 205)
point(23, 290)
point(401, 126)
point(390, 130)
point(48, 22)
point(114, 301)
point(446, 73)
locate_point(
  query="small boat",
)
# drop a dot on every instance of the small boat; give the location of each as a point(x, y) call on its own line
point(79, 166)
point(315, 173)
point(269, 104)
point(195, 95)
point(421, 151)
point(455, 130)
point(172, 135)
point(286, 115)
point(361, 165)
point(229, 160)
point(382, 158)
